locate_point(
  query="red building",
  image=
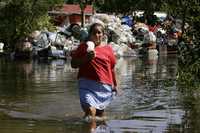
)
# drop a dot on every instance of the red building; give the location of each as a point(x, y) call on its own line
point(70, 13)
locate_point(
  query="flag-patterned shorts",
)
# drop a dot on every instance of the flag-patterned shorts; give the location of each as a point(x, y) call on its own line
point(95, 94)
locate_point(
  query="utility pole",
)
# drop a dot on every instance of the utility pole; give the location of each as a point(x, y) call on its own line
point(83, 4)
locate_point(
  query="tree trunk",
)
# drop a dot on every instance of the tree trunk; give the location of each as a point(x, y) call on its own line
point(82, 18)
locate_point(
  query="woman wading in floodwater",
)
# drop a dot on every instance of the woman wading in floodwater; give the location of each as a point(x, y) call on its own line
point(96, 77)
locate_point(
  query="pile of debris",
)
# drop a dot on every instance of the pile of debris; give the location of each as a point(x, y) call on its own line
point(126, 40)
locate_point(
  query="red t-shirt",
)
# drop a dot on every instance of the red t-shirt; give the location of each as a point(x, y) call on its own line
point(101, 67)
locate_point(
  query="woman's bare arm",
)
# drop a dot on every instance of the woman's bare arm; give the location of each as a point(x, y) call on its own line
point(78, 62)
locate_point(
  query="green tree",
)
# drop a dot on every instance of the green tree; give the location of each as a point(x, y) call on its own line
point(21, 17)
point(189, 57)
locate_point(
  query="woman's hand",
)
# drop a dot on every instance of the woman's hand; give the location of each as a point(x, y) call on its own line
point(90, 55)
point(118, 91)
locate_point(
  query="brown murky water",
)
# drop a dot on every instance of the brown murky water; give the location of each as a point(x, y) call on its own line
point(41, 97)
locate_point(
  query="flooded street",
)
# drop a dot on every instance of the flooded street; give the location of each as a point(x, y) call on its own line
point(42, 97)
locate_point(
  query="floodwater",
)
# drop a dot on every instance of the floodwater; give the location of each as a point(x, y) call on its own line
point(41, 96)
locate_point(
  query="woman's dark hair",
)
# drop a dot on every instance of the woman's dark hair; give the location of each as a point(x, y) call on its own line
point(93, 26)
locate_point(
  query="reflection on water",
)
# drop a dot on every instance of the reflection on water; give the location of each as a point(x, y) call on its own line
point(41, 96)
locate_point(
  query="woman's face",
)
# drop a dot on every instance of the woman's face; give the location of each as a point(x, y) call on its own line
point(96, 35)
